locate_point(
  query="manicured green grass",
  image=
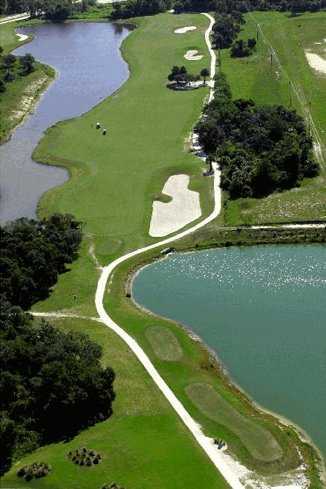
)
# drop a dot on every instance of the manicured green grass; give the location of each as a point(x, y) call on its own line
point(119, 174)
point(255, 77)
point(164, 343)
point(21, 93)
point(143, 445)
point(114, 180)
point(260, 443)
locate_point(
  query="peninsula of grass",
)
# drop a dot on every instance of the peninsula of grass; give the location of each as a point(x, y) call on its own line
point(22, 93)
point(113, 182)
point(267, 82)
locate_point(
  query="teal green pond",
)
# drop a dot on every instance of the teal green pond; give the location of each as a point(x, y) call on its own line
point(262, 309)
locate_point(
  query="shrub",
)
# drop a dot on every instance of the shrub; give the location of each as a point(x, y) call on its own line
point(84, 457)
point(36, 469)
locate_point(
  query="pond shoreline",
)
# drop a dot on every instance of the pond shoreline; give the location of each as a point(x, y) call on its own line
point(219, 367)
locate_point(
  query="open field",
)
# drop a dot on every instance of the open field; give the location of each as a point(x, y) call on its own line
point(21, 94)
point(290, 81)
point(114, 180)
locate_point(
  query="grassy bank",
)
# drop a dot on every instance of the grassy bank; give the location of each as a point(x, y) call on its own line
point(293, 83)
point(22, 93)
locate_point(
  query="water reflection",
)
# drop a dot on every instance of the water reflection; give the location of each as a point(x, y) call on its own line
point(89, 67)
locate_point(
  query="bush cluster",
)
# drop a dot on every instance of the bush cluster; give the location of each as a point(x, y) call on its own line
point(180, 75)
point(112, 485)
point(35, 470)
point(242, 49)
point(85, 457)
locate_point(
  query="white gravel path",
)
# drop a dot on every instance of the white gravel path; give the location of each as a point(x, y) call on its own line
point(169, 217)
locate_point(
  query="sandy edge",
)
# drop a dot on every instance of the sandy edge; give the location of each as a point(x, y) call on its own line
point(184, 208)
point(21, 37)
point(192, 55)
point(183, 30)
point(316, 62)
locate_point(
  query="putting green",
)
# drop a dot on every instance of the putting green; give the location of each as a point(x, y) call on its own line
point(164, 343)
point(258, 441)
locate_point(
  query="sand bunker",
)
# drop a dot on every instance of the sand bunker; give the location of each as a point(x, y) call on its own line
point(192, 55)
point(316, 62)
point(183, 208)
point(21, 37)
point(183, 30)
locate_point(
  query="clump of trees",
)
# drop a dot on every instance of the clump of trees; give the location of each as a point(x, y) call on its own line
point(12, 67)
point(58, 10)
point(261, 149)
point(226, 29)
point(180, 76)
point(85, 457)
point(242, 49)
point(35, 470)
point(137, 8)
point(52, 384)
point(33, 253)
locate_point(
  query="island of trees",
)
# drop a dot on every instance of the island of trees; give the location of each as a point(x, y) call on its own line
point(260, 149)
point(52, 383)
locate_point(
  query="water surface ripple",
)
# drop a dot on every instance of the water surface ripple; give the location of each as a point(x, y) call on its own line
point(89, 68)
point(263, 310)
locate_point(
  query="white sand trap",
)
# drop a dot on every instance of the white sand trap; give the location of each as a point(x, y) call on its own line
point(183, 208)
point(192, 55)
point(316, 62)
point(183, 30)
point(21, 37)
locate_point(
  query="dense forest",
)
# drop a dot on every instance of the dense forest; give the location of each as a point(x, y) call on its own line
point(260, 149)
point(33, 253)
point(52, 383)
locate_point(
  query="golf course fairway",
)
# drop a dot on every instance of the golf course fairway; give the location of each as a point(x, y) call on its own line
point(114, 180)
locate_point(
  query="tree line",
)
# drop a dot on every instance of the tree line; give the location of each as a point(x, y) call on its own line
point(139, 8)
point(52, 383)
point(53, 10)
point(228, 6)
point(260, 149)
